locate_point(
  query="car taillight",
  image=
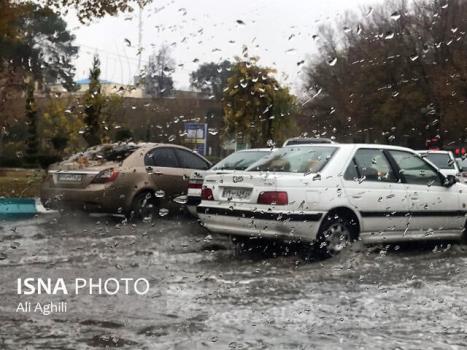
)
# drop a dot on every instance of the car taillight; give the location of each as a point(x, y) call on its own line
point(206, 194)
point(107, 175)
point(195, 184)
point(273, 197)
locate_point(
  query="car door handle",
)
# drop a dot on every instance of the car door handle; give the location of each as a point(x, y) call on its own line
point(158, 173)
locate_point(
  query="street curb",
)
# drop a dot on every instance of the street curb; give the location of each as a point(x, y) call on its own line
point(21, 207)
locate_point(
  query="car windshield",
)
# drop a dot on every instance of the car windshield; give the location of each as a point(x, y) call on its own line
point(441, 160)
point(306, 159)
point(240, 160)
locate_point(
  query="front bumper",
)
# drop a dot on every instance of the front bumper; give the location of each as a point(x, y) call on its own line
point(302, 226)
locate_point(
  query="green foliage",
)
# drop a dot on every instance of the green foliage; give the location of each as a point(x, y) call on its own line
point(34, 40)
point(93, 103)
point(397, 76)
point(59, 128)
point(256, 107)
point(211, 78)
point(87, 10)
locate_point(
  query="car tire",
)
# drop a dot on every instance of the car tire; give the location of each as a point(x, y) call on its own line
point(144, 205)
point(335, 234)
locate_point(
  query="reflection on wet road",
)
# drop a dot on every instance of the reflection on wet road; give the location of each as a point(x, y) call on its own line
point(204, 295)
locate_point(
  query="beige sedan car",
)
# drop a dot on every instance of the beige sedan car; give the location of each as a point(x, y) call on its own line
point(126, 178)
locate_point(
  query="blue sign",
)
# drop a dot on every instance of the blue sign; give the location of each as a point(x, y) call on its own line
point(196, 136)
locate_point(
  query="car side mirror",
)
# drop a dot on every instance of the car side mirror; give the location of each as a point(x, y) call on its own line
point(450, 180)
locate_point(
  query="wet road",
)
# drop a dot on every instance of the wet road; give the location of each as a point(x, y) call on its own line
point(204, 295)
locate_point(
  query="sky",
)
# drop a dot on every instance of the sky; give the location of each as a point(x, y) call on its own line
point(280, 32)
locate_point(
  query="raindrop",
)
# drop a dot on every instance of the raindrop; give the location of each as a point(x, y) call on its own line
point(172, 138)
point(413, 58)
point(160, 194)
point(213, 131)
point(181, 199)
point(395, 16)
point(389, 35)
point(332, 61)
point(239, 21)
point(163, 212)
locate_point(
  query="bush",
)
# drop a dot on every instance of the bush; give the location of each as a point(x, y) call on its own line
point(42, 160)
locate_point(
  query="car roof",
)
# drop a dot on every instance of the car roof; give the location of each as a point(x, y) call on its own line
point(352, 146)
point(433, 151)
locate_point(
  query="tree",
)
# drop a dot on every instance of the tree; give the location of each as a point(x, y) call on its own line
point(255, 105)
point(93, 104)
point(32, 142)
point(396, 76)
point(60, 126)
point(37, 43)
point(211, 78)
point(87, 10)
point(157, 76)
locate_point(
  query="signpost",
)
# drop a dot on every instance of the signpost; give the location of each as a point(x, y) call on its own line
point(196, 137)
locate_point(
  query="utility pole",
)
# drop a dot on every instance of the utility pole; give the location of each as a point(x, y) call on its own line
point(141, 4)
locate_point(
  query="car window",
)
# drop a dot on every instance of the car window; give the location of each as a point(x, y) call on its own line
point(190, 160)
point(306, 159)
point(161, 157)
point(441, 160)
point(240, 160)
point(414, 170)
point(352, 172)
point(373, 165)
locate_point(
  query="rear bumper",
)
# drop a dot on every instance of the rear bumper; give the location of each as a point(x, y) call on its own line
point(103, 198)
point(302, 226)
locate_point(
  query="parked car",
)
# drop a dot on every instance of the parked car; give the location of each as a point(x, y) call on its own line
point(121, 178)
point(462, 165)
point(237, 161)
point(305, 141)
point(444, 160)
point(334, 194)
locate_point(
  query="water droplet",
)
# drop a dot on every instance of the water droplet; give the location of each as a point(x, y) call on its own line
point(160, 194)
point(413, 58)
point(395, 16)
point(389, 35)
point(213, 131)
point(181, 199)
point(332, 61)
point(163, 212)
point(172, 138)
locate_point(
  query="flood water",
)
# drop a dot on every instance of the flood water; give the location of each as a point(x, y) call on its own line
point(204, 294)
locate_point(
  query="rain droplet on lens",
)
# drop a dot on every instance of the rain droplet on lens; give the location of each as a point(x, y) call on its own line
point(160, 194)
point(163, 212)
point(395, 15)
point(332, 61)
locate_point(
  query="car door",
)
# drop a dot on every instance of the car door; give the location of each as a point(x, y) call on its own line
point(164, 170)
point(433, 206)
point(189, 162)
point(374, 189)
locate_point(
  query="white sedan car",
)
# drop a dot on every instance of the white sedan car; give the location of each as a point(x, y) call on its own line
point(333, 194)
point(236, 161)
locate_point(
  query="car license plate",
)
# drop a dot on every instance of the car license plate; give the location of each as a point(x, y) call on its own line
point(236, 193)
point(69, 177)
